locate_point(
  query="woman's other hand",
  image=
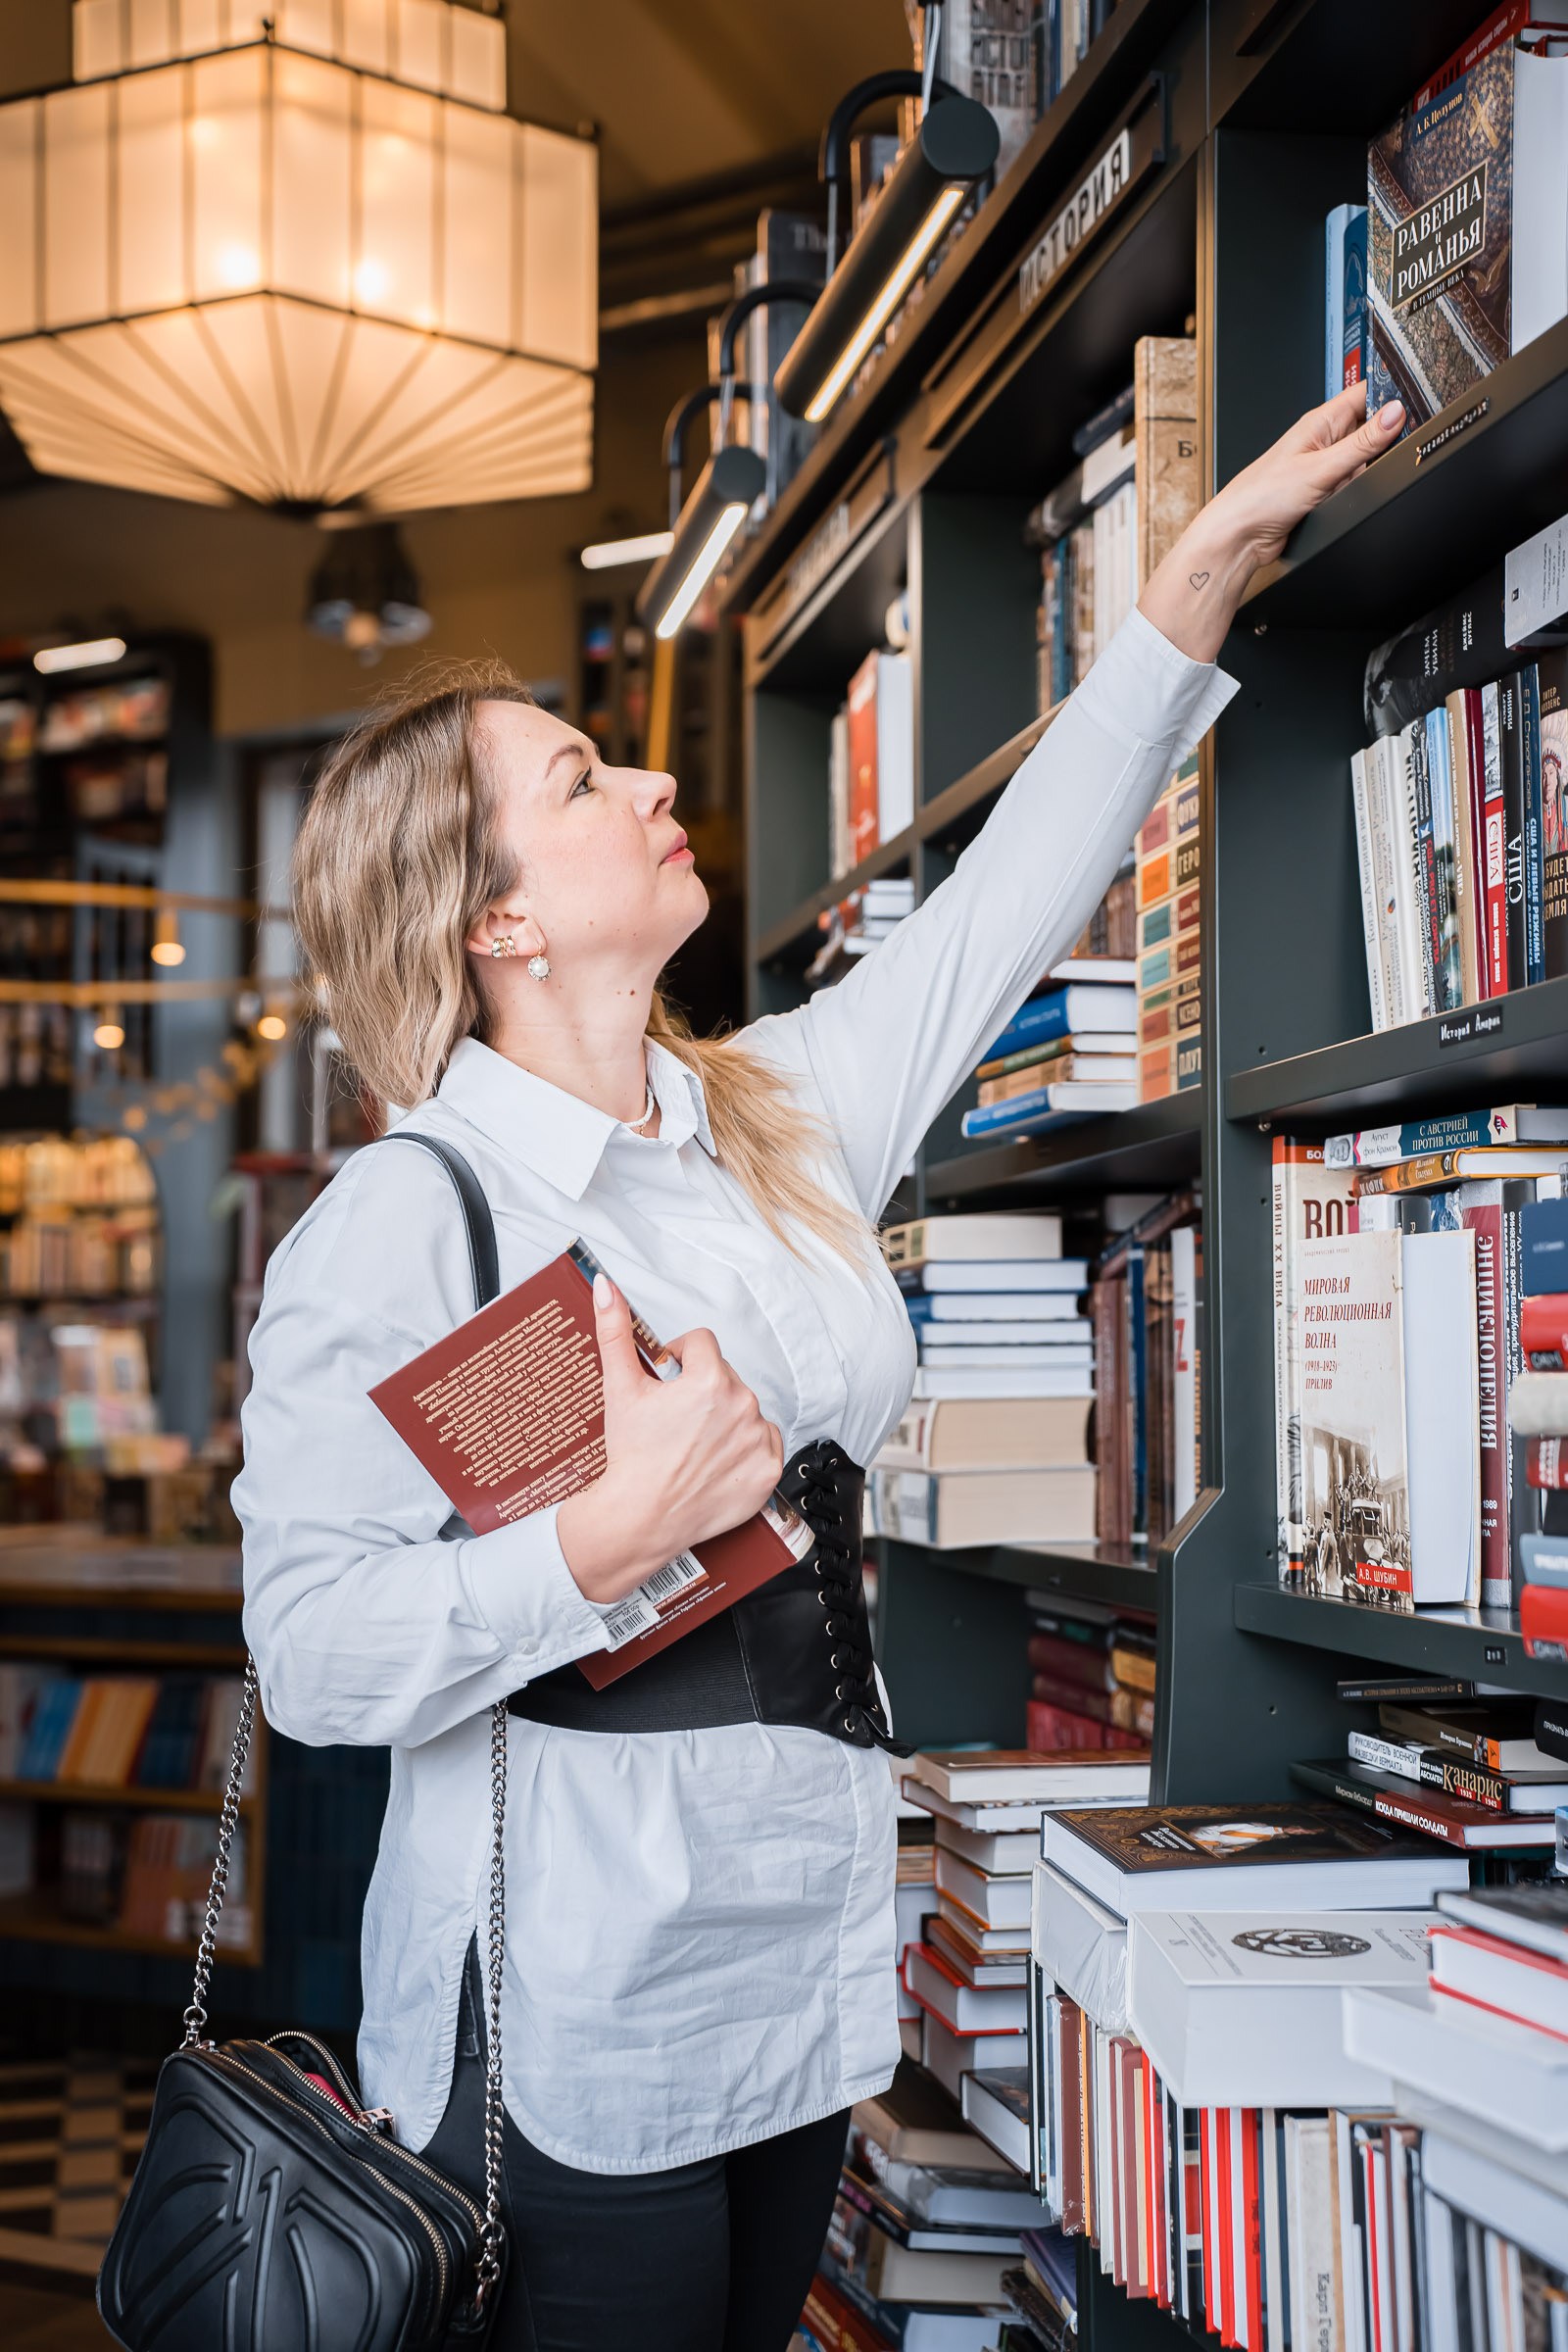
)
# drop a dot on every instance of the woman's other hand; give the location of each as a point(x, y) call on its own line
point(1192, 595)
point(684, 1458)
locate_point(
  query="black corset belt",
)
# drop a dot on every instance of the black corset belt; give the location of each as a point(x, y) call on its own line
point(798, 1650)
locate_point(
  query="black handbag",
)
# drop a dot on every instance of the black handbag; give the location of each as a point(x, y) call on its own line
point(270, 2211)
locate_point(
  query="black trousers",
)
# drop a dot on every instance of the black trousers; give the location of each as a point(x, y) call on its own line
point(715, 2256)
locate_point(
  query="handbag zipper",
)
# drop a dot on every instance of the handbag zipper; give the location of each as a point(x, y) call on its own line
point(393, 2146)
point(438, 2243)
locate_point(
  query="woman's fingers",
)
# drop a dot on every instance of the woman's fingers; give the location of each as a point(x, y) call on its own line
point(1343, 459)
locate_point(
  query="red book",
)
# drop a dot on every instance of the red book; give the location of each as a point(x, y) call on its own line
point(1080, 1662)
point(865, 817)
point(1227, 2189)
point(838, 2325)
point(1544, 1331)
point(1485, 1218)
point(1546, 1464)
point(1252, 2227)
point(1544, 1620)
point(1475, 756)
point(507, 1415)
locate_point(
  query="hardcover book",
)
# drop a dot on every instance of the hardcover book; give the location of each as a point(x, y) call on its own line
point(1551, 671)
point(507, 1413)
point(1439, 242)
point(1230, 1857)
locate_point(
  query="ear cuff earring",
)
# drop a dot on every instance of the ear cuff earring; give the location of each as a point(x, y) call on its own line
point(502, 944)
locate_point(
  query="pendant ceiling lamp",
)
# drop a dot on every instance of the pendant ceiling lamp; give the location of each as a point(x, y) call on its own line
point(300, 256)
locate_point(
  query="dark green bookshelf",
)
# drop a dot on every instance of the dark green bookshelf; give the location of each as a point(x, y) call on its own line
point(1266, 106)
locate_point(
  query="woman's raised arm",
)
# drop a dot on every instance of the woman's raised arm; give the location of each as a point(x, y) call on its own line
point(893, 1042)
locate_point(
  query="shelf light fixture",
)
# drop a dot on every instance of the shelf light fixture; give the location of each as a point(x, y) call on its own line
point(606, 554)
point(168, 947)
point(955, 148)
point(92, 653)
point(730, 485)
point(109, 1033)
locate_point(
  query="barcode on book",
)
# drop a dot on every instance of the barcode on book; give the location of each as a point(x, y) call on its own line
point(639, 1611)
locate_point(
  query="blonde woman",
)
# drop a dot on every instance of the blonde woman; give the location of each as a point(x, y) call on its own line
point(698, 1980)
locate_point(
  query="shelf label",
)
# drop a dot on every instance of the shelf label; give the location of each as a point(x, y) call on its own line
point(1481, 1021)
point(1076, 222)
point(1451, 431)
point(1535, 584)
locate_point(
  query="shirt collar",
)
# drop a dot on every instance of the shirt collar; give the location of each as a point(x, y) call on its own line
point(561, 1138)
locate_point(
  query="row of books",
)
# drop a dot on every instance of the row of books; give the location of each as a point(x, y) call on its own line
point(871, 760)
point(1090, 1678)
point(1485, 1775)
point(37, 1041)
point(1465, 194)
point(83, 1255)
point(145, 1878)
point(1405, 1261)
point(858, 923)
point(1538, 1422)
point(1462, 838)
point(1135, 487)
point(1069, 1053)
point(1168, 890)
point(115, 1730)
point(1146, 1310)
point(58, 1171)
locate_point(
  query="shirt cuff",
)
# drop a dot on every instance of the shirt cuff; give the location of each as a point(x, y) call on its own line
point(1144, 686)
point(528, 1597)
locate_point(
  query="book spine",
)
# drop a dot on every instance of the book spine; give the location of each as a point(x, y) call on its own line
point(1289, 1564)
point(1419, 1139)
point(1464, 710)
point(1494, 832)
point(1552, 674)
point(1546, 1464)
point(1371, 930)
point(1475, 1784)
point(1381, 836)
point(1444, 866)
point(1334, 229)
point(1426, 875)
point(1486, 1222)
point(1353, 305)
point(1512, 749)
point(1529, 715)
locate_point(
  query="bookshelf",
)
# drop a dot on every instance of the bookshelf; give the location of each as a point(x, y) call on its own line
point(925, 475)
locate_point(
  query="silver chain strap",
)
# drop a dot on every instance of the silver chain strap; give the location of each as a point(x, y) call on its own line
point(492, 2233)
point(227, 1822)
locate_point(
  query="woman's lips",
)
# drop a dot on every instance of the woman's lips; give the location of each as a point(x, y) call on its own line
point(680, 854)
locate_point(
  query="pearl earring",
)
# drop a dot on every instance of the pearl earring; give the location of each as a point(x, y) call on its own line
point(504, 944)
point(538, 967)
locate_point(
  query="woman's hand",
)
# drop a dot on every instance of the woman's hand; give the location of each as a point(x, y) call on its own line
point(1192, 598)
point(683, 1458)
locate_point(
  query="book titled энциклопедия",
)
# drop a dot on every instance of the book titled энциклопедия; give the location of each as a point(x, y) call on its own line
point(507, 1415)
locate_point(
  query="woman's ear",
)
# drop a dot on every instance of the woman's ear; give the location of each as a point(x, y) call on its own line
point(506, 924)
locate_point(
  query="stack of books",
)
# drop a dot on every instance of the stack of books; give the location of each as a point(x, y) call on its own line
point(1169, 1037)
point(1465, 1771)
point(1403, 1260)
point(1146, 1306)
point(1092, 1677)
point(997, 1308)
point(1344, 299)
point(871, 760)
point(113, 1730)
point(1187, 1965)
point(969, 1974)
point(1071, 1053)
point(858, 923)
point(929, 2228)
point(1103, 531)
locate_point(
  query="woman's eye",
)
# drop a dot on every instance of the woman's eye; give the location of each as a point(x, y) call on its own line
point(584, 783)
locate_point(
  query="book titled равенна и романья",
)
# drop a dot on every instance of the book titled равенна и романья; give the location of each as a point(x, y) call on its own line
point(507, 1415)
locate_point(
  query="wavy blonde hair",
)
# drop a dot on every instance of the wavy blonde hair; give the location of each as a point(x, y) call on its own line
point(399, 854)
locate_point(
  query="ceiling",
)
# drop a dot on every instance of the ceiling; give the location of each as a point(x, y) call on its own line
point(704, 112)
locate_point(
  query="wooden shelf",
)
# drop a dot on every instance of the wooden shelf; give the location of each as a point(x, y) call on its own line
point(1415, 527)
point(30, 1919)
point(1411, 1068)
point(1155, 1143)
point(96, 1647)
point(1483, 1644)
point(110, 1799)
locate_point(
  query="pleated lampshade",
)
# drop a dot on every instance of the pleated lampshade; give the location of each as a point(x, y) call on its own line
point(316, 267)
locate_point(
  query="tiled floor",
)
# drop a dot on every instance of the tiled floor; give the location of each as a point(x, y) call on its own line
point(70, 2133)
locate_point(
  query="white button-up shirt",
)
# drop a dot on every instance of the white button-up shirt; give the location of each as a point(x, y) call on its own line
point(699, 1924)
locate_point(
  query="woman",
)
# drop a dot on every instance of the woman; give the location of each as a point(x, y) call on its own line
point(698, 1981)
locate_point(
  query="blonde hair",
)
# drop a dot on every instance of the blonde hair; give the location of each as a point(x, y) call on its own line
point(399, 856)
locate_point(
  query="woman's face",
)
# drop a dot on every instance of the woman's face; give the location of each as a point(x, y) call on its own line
point(602, 869)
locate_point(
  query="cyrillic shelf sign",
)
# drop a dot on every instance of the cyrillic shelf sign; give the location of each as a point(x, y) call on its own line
point(841, 530)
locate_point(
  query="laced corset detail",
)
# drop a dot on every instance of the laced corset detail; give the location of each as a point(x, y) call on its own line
point(841, 1593)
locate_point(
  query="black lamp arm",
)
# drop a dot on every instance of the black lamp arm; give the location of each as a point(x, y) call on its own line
point(833, 164)
point(675, 427)
point(757, 298)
